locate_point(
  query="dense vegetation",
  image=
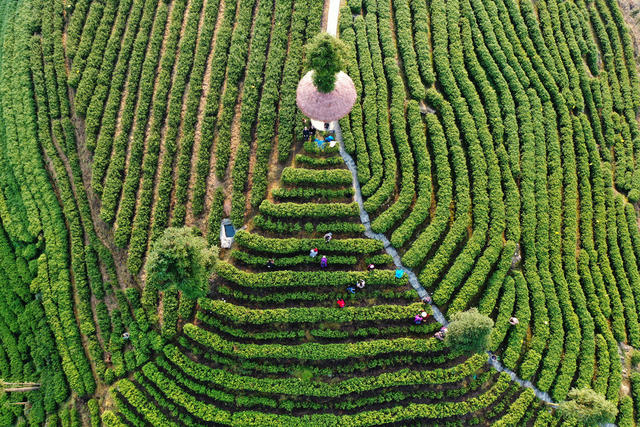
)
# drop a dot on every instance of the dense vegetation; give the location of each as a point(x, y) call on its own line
point(496, 146)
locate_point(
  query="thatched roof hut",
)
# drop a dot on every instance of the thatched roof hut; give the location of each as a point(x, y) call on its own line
point(326, 107)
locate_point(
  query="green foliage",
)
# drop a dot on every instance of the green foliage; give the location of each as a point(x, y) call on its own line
point(588, 407)
point(325, 56)
point(469, 331)
point(181, 259)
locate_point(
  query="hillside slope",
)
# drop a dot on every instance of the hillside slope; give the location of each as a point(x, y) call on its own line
point(497, 147)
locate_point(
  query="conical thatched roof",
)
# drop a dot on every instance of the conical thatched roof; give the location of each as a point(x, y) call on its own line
point(326, 107)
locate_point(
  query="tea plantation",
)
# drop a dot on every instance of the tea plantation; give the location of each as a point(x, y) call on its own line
point(491, 161)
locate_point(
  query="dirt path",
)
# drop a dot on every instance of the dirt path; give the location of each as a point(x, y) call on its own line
point(183, 112)
point(163, 132)
point(190, 219)
point(235, 125)
point(325, 14)
point(55, 179)
point(254, 141)
point(135, 123)
point(630, 10)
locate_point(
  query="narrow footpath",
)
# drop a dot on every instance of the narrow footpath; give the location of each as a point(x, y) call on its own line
point(413, 279)
point(332, 27)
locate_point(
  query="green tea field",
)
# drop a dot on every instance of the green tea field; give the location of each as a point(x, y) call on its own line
point(491, 161)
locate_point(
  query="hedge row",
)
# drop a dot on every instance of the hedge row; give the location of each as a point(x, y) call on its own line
point(422, 205)
point(103, 162)
point(296, 387)
point(322, 368)
point(82, 21)
point(232, 274)
point(100, 64)
point(209, 413)
point(241, 315)
point(251, 92)
point(310, 351)
point(309, 193)
point(427, 238)
point(81, 281)
point(236, 64)
point(378, 195)
point(161, 106)
point(368, 150)
point(280, 38)
point(309, 210)
point(256, 260)
point(276, 299)
point(190, 119)
point(220, 394)
point(256, 242)
point(268, 224)
point(374, 330)
point(215, 217)
point(389, 217)
point(218, 66)
point(405, 40)
point(352, 125)
point(421, 40)
point(305, 22)
point(92, 50)
point(52, 268)
point(318, 161)
point(175, 125)
point(332, 177)
point(131, 182)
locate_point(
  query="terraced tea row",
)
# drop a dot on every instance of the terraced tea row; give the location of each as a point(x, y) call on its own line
point(525, 157)
point(274, 346)
point(159, 99)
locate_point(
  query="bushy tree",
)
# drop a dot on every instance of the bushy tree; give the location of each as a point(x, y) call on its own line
point(469, 331)
point(587, 407)
point(325, 55)
point(181, 259)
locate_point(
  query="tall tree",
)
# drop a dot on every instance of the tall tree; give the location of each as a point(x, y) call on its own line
point(181, 259)
point(587, 407)
point(469, 330)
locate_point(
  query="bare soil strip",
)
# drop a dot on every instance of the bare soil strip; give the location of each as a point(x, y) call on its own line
point(235, 126)
point(185, 95)
point(163, 145)
point(147, 125)
point(254, 141)
point(190, 220)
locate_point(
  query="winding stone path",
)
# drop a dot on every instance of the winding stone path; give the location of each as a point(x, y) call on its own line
point(331, 28)
point(364, 218)
point(413, 279)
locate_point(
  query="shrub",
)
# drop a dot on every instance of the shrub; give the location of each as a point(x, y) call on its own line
point(469, 331)
point(180, 259)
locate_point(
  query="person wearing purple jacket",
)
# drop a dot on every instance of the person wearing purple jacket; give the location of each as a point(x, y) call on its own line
point(323, 262)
